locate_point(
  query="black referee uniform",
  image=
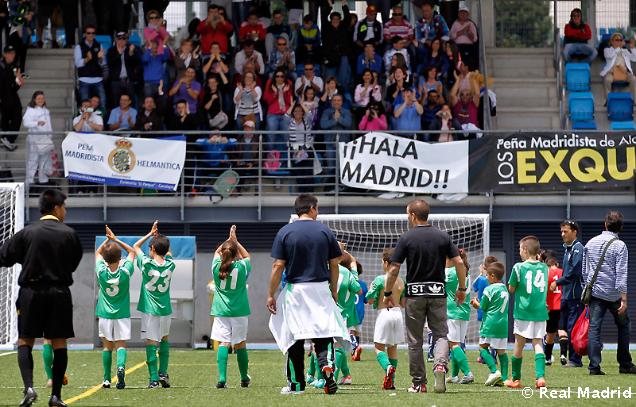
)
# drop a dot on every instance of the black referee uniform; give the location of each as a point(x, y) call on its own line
point(49, 252)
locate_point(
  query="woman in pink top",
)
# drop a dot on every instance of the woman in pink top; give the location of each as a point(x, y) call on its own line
point(367, 90)
point(374, 118)
point(155, 31)
point(464, 34)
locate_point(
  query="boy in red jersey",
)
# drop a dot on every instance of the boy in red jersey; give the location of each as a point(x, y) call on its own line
point(554, 307)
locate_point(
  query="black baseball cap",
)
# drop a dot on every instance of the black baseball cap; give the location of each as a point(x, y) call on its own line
point(121, 35)
point(9, 48)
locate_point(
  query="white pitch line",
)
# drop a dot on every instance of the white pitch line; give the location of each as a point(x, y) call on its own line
point(8, 353)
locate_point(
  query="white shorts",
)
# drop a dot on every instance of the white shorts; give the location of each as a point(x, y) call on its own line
point(530, 329)
point(154, 327)
point(114, 329)
point(295, 16)
point(495, 343)
point(229, 329)
point(457, 330)
point(389, 327)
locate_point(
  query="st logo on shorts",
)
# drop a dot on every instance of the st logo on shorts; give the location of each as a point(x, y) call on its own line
point(428, 289)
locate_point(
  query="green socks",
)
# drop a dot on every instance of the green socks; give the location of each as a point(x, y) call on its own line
point(488, 360)
point(151, 361)
point(516, 368)
point(341, 363)
point(394, 362)
point(539, 365)
point(243, 362)
point(454, 365)
point(121, 358)
point(221, 362)
point(383, 360)
point(164, 356)
point(503, 362)
point(461, 359)
point(47, 357)
point(312, 365)
point(107, 361)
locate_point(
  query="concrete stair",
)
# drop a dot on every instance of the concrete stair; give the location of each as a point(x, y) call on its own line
point(526, 89)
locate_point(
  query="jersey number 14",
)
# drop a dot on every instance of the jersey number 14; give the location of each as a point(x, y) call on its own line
point(538, 282)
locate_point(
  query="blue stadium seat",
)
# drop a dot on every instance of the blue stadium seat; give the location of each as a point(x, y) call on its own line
point(581, 106)
point(584, 125)
point(105, 40)
point(620, 106)
point(577, 76)
point(626, 125)
point(135, 39)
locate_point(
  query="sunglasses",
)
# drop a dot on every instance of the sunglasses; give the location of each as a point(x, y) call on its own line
point(90, 32)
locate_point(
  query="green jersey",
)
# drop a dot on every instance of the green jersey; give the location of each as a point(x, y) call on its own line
point(529, 279)
point(154, 297)
point(230, 295)
point(494, 305)
point(348, 287)
point(454, 310)
point(376, 292)
point(113, 300)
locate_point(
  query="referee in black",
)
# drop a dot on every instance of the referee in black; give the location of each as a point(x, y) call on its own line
point(49, 252)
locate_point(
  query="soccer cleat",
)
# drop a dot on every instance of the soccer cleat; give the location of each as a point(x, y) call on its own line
point(49, 383)
point(564, 360)
point(493, 378)
point(627, 370)
point(346, 380)
point(319, 384)
point(65, 380)
point(540, 383)
point(164, 379)
point(221, 385)
point(388, 378)
point(571, 364)
point(331, 387)
point(287, 390)
point(121, 376)
point(153, 384)
point(549, 361)
point(30, 396)
point(439, 373)
point(309, 379)
point(356, 354)
point(417, 388)
point(513, 384)
point(246, 382)
point(467, 379)
point(106, 384)
point(55, 401)
point(452, 379)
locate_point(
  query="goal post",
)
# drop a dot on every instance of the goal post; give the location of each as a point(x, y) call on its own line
point(11, 221)
point(366, 235)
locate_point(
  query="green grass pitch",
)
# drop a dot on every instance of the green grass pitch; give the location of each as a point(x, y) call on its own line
point(193, 376)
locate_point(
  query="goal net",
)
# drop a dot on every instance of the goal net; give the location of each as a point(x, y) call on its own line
point(11, 221)
point(367, 235)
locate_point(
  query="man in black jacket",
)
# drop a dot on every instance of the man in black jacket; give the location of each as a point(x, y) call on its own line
point(337, 43)
point(11, 80)
point(124, 64)
point(49, 252)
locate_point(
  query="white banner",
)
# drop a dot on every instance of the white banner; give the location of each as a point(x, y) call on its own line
point(383, 162)
point(121, 161)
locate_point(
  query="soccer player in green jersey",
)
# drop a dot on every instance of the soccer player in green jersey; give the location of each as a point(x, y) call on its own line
point(494, 324)
point(389, 324)
point(154, 303)
point(230, 268)
point(458, 316)
point(528, 282)
point(113, 303)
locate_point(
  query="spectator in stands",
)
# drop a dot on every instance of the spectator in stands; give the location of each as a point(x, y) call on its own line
point(215, 28)
point(618, 63)
point(335, 118)
point(454, 63)
point(429, 82)
point(216, 63)
point(308, 79)
point(252, 29)
point(247, 99)
point(577, 34)
point(295, 9)
point(369, 59)
point(432, 104)
point(187, 88)
point(373, 118)
point(186, 57)
point(20, 31)
point(464, 33)
point(282, 58)
point(446, 123)
point(436, 57)
point(311, 102)
point(245, 156)
point(89, 56)
point(183, 120)
point(213, 101)
point(430, 26)
point(124, 116)
point(88, 121)
point(213, 159)
point(149, 118)
point(96, 104)
point(45, 13)
point(384, 7)
point(37, 120)
point(407, 113)
point(11, 80)
point(300, 145)
point(308, 42)
point(398, 26)
point(277, 29)
point(335, 47)
point(367, 91)
point(155, 31)
point(124, 62)
point(369, 30)
point(397, 48)
point(240, 10)
point(395, 90)
point(398, 61)
point(153, 64)
point(465, 102)
point(279, 98)
point(333, 88)
point(249, 54)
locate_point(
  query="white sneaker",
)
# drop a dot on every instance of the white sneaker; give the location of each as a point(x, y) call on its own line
point(493, 378)
point(439, 373)
point(106, 384)
point(452, 379)
point(467, 379)
point(286, 390)
point(550, 361)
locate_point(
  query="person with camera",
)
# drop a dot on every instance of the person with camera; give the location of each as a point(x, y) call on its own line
point(445, 122)
point(88, 121)
point(374, 118)
point(216, 64)
point(215, 28)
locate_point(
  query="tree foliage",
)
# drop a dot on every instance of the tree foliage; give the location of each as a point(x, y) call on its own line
point(523, 23)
